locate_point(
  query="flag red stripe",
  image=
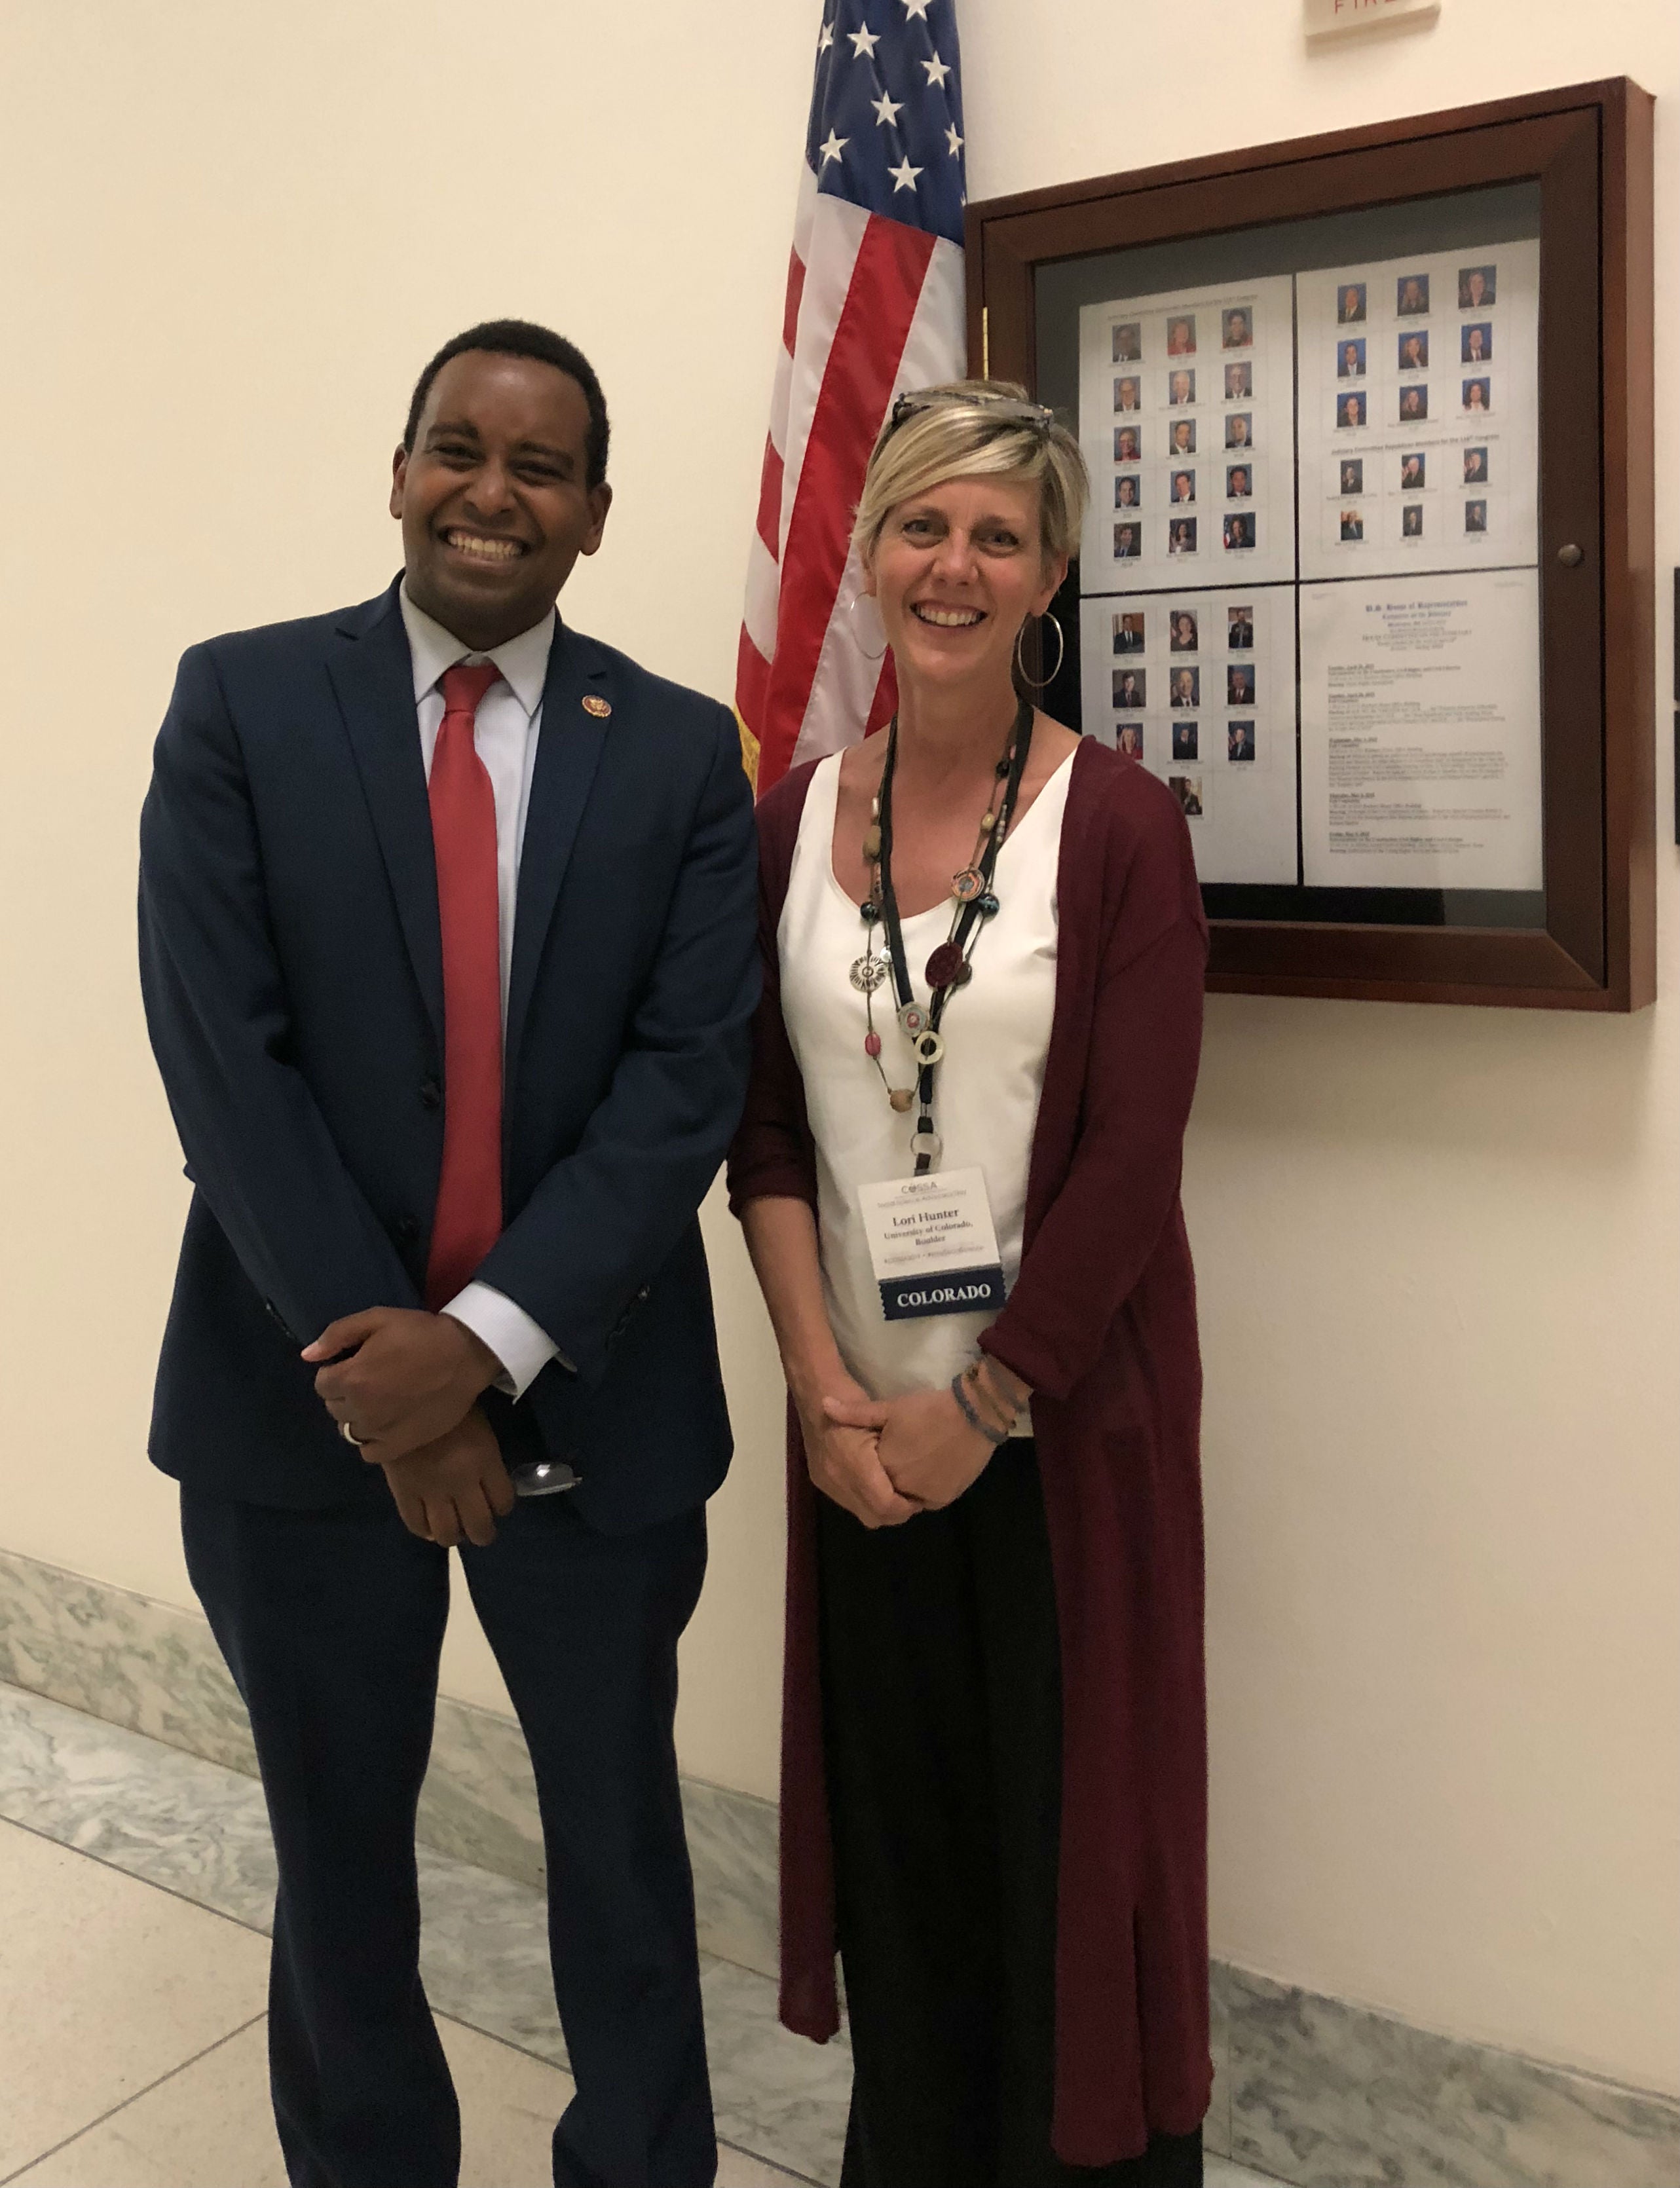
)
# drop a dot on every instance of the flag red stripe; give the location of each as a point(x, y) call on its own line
point(769, 500)
point(863, 362)
point(790, 309)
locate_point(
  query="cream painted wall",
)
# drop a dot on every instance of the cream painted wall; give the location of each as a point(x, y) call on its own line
point(1439, 1250)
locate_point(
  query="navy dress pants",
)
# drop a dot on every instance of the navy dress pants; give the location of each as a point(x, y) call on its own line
point(331, 1622)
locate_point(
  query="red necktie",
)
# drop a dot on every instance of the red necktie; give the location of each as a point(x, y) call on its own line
point(468, 1218)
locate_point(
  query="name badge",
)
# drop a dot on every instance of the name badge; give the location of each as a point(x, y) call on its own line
point(933, 1245)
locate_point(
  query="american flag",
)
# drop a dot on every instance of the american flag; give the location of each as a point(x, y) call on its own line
point(874, 305)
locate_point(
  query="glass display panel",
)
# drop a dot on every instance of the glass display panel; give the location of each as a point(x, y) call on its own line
point(1308, 592)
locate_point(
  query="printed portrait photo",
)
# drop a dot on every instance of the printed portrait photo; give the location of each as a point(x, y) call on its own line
point(1351, 303)
point(1350, 359)
point(1129, 632)
point(1184, 740)
point(1353, 524)
point(1183, 486)
point(1182, 441)
point(1239, 532)
point(1128, 341)
point(1479, 395)
point(1128, 393)
point(1411, 296)
point(1187, 790)
point(1349, 410)
point(1181, 625)
point(1239, 483)
point(1414, 351)
point(1413, 471)
point(1475, 516)
point(1414, 404)
point(1127, 491)
point(1239, 684)
point(1129, 740)
point(1129, 688)
point(1475, 466)
point(1475, 287)
point(1128, 541)
point(1239, 382)
point(1239, 740)
point(1184, 687)
point(1411, 521)
point(1181, 338)
point(1475, 343)
point(1239, 429)
point(1353, 474)
point(1180, 388)
point(1236, 329)
point(1127, 444)
point(1182, 536)
point(1239, 627)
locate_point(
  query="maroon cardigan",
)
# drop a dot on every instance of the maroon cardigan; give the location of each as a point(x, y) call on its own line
point(1102, 1323)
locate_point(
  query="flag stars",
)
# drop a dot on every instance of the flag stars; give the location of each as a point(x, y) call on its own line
point(904, 175)
point(937, 70)
point(832, 148)
point(864, 43)
point(826, 38)
point(887, 111)
point(954, 141)
point(916, 11)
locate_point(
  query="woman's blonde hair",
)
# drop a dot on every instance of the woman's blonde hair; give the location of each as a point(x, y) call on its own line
point(974, 429)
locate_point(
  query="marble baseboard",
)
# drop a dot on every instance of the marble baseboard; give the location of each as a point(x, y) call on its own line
point(155, 1669)
point(1311, 2089)
point(1328, 2095)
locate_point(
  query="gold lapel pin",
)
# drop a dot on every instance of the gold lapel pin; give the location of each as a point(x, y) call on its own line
point(594, 705)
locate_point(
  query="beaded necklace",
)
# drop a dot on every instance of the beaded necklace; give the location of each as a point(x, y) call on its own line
point(949, 968)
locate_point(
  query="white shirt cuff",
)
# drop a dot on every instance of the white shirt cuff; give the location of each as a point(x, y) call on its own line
point(523, 1346)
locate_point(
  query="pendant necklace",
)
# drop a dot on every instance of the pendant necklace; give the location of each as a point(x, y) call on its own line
point(973, 902)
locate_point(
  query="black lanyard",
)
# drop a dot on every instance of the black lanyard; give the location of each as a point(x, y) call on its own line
point(956, 951)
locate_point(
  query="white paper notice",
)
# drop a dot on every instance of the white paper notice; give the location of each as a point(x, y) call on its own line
point(1201, 688)
point(1419, 410)
point(1187, 410)
point(1420, 732)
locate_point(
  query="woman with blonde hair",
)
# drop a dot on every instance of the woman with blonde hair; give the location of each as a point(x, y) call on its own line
point(958, 1174)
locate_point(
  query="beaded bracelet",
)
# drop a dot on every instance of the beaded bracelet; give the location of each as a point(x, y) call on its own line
point(993, 1436)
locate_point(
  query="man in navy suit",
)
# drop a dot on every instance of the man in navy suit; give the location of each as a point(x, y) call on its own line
point(447, 919)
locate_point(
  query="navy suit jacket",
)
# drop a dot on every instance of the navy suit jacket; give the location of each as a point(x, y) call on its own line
point(291, 966)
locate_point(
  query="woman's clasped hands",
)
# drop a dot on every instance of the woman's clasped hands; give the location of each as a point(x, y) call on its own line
point(886, 1459)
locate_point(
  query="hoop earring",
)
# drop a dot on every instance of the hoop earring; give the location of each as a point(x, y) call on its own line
point(851, 610)
point(1045, 683)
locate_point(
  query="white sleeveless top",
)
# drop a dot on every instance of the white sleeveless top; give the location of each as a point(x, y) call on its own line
point(985, 1092)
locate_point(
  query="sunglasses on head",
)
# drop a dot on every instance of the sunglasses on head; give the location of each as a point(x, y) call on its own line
point(994, 406)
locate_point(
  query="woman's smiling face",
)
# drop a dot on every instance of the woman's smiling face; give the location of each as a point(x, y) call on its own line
point(955, 571)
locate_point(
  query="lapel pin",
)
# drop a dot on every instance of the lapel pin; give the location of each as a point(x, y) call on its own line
point(592, 705)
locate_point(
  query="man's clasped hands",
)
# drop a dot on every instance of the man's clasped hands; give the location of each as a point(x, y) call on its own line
point(406, 1385)
point(884, 1460)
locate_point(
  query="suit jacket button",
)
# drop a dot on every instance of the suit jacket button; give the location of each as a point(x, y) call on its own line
point(407, 1229)
point(431, 1094)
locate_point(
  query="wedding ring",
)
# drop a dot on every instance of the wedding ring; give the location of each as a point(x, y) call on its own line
point(349, 1434)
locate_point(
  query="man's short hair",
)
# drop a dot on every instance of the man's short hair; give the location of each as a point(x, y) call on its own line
point(523, 338)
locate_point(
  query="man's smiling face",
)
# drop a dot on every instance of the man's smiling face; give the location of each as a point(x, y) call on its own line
point(493, 497)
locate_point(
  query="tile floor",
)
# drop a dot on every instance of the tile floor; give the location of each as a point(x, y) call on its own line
point(134, 1884)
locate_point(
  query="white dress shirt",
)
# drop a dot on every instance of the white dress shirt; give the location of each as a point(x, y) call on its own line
point(506, 730)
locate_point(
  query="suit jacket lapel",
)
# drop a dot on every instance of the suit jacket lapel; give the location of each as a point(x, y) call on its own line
point(373, 677)
point(569, 747)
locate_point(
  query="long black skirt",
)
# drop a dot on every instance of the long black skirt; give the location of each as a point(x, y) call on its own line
point(942, 1704)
